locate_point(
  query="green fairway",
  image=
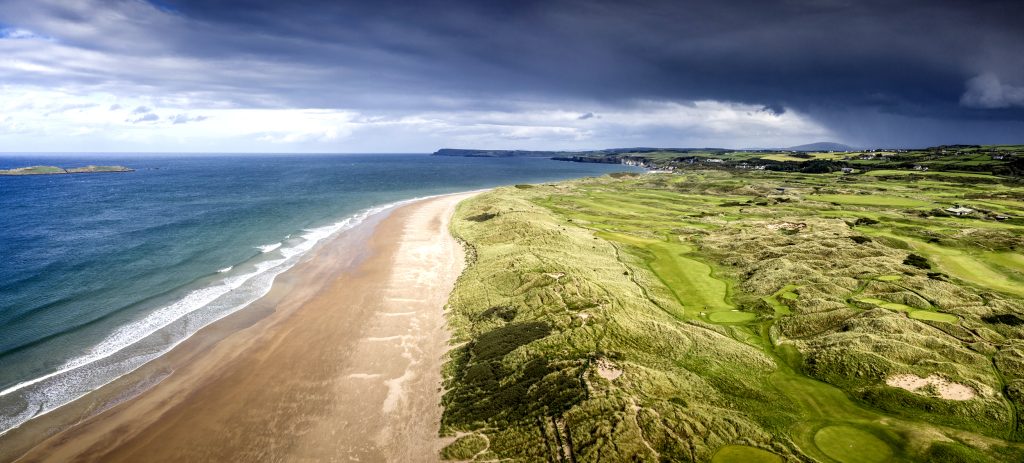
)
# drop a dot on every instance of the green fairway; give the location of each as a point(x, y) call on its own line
point(690, 280)
point(972, 268)
point(904, 173)
point(731, 316)
point(847, 444)
point(872, 200)
point(933, 316)
point(744, 454)
point(889, 278)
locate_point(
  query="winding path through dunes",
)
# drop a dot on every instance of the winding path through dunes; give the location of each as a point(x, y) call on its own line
point(345, 365)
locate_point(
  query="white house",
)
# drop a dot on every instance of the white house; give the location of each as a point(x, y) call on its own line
point(959, 210)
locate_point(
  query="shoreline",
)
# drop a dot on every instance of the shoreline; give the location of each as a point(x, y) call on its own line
point(352, 284)
point(119, 349)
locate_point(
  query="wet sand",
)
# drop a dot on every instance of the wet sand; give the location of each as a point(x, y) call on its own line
point(341, 361)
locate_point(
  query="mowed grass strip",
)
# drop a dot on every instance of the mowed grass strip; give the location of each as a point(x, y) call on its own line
point(691, 280)
point(872, 200)
point(965, 266)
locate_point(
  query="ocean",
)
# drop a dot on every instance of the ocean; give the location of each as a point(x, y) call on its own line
point(100, 273)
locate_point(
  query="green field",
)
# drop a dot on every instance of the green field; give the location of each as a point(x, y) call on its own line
point(717, 316)
point(872, 200)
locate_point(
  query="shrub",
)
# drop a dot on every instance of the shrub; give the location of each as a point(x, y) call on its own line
point(503, 312)
point(915, 260)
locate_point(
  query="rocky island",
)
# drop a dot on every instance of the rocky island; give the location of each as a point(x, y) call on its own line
point(52, 170)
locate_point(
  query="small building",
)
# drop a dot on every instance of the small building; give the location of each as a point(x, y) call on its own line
point(847, 170)
point(921, 168)
point(1001, 217)
point(714, 160)
point(959, 210)
point(998, 157)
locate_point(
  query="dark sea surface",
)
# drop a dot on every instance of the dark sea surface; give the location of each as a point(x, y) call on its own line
point(100, 273)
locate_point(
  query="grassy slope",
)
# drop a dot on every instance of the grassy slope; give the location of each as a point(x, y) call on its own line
point(729, 335)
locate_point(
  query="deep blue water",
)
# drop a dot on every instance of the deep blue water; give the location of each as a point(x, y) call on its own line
point(100, 273)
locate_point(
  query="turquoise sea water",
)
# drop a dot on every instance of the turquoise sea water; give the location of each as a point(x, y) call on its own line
point(100, 273)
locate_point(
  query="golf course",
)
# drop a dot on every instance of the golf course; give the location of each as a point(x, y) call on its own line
point(739, 316)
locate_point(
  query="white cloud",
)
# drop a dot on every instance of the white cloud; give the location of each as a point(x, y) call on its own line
point(987, 91)
point(58, 120)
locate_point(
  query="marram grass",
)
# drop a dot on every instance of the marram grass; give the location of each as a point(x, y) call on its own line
point(694, 317)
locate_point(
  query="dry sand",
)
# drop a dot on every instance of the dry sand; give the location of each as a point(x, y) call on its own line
point(945, 388)
point(341, 361)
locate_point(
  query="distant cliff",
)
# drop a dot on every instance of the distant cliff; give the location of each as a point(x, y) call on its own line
point(51, 170)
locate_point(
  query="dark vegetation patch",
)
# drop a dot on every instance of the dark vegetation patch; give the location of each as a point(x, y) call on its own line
point(482, 217)
point(623, 174)
point(523, 186)
point(1003, 319)
point(860, 239)
point(485, 390)
point(502, 311)
point(865, 221)
point(937, 276)
point(915, 260)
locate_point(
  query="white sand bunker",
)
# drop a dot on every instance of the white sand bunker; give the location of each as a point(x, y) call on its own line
point(933, 384)
point(608, 370)
point(555, 275)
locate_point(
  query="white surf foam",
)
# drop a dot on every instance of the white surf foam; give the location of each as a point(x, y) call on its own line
point(226, 269)
point(268, 247)
point(95, 368)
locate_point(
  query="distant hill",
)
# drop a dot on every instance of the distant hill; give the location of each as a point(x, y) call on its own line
point(822, 146)
point(52, 170)
point(547, 154)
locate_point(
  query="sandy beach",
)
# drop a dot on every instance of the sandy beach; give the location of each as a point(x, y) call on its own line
point(341, 361)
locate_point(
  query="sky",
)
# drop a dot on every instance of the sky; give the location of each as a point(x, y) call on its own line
point(415, 76)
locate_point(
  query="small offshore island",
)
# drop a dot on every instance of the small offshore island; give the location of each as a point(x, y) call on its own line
point(53, 170)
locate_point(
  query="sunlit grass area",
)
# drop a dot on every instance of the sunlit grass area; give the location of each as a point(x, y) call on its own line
point(612, 318)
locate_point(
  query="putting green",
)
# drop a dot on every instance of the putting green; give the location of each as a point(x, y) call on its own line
point(731, 317)
point(933, 316)
point(744, 454)
point(871, 300)
point(847, 444)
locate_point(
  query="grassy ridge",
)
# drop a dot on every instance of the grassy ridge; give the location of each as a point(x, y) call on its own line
point(714, 316)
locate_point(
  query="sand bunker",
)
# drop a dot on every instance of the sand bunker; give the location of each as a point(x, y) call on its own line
point(943, 387)
point(555, 275)
point(608, 370)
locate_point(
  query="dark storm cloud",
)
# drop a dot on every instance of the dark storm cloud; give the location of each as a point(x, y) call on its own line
point(885, 60)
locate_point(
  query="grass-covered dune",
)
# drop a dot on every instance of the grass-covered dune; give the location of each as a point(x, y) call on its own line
point(738, 317)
